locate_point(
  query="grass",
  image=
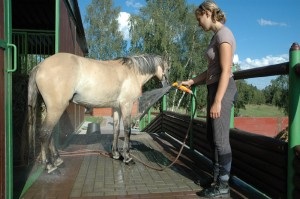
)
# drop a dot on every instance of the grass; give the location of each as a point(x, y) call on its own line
point(250, 111)
point(93, 119)
point(261, 111)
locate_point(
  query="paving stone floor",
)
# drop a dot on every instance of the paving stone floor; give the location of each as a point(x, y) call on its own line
point(99, 176)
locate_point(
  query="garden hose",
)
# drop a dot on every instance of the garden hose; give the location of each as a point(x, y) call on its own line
point(187, 90)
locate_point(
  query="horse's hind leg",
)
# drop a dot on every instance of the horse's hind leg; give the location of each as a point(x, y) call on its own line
point(45, 136)
point(57, 161)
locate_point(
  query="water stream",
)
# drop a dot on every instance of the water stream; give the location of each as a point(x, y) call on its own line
point(149, 98)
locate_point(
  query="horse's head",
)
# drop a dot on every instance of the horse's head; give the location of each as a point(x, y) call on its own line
point(163, 72)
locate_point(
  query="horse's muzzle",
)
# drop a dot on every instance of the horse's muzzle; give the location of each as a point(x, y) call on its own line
point(164, 81)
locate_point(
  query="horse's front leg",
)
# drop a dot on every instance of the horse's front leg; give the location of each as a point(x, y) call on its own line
point(127, 132)
point(126, 115)
point(116, 131)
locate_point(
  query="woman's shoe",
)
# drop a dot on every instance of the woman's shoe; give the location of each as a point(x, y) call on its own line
point(218, 190)
point(206, 182)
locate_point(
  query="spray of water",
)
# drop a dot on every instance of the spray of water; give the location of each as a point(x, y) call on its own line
point(149, 98)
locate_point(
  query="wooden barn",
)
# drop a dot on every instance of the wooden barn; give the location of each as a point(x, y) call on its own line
point(30, 31)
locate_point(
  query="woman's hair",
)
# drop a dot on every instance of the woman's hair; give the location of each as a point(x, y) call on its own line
point(217, 13)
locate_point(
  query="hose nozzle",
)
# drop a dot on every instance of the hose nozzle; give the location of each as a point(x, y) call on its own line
point(181, 87)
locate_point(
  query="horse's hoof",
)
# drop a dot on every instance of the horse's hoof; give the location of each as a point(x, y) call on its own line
point(129, 161)
point(116, 156)
point(56, 172)
point(58, 162)
point(50, 168)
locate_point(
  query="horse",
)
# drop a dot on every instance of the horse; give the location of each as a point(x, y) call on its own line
point(63, 78)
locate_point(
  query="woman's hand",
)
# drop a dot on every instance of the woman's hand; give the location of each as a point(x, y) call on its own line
point(215, 110)
point(187, 83)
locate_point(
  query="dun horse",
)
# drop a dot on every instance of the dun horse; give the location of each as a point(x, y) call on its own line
point(64, 77)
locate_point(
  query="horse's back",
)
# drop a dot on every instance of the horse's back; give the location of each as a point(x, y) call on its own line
point(60, 59)
point(87, 81)
point(57, 75)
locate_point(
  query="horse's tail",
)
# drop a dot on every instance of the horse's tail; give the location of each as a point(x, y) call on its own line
point(32, 105)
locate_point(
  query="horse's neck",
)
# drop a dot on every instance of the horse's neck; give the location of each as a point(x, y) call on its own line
point(144, 78)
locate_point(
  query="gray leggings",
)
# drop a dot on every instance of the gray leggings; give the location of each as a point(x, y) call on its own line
point(218, 129)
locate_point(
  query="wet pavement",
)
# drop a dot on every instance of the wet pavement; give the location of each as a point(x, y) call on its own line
point(91, 173)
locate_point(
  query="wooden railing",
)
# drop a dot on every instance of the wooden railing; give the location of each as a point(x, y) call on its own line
point(257, 160)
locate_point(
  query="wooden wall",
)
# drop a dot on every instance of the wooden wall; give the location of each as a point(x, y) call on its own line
point(258, 160)
point(74, 115)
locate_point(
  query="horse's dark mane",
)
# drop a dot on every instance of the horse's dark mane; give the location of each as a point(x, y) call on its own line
point(144, 64)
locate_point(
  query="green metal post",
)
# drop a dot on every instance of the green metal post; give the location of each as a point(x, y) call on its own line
point(142, 123)
point(193, 114)
point(232, 109)
point(149, 116)
point(294, 114)
point(57, 47)
point(8, 101)
point(164, 103)
point(232, 117)
point(57, 25)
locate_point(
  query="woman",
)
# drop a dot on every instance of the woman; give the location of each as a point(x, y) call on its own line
point(221, 92)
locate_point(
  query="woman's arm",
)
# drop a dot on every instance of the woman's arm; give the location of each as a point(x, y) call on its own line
point(196, 80)
point(225, 51)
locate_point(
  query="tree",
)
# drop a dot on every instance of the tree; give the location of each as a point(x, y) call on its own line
point(277, 93)
point(242, 97)
point(247, 94)
point(169, 28)
point(104, 39)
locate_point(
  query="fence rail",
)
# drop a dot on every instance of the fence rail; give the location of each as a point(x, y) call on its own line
point(258, 160)
point(276, 69)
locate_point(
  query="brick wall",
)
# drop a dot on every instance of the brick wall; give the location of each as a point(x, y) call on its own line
point(268, 126)
point(108, 111)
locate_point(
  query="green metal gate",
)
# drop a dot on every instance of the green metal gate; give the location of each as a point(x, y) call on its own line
point(32, 38)
point(23, 50)
point(32, 48)
point(9, 67)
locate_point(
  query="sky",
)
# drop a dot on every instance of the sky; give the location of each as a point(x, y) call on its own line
point(264, 29)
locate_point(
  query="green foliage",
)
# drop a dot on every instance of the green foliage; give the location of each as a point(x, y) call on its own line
point(93, 119)
point(169, 28)
point(263, 110)
point(104, 39)
point(247, 94)
point(277, 93)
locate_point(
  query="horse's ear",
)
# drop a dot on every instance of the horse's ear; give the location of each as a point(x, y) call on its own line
point(127, 61)
point(165, 57)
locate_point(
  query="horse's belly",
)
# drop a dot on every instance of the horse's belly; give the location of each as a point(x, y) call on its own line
point(97, 102)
